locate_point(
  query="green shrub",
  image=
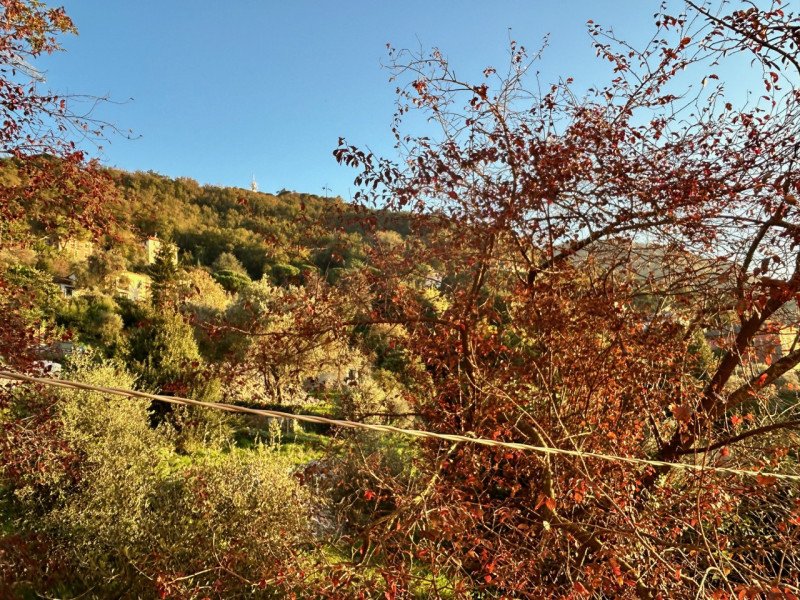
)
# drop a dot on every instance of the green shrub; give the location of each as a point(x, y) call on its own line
point(283, 274)
point(232, 281)
point(242, 510)
point(135, 518)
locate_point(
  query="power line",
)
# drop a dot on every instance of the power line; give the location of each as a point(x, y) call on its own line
point(450, 437)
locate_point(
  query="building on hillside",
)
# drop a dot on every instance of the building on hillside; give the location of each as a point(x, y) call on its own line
point(153, 245)
point(66, 284)
point(132, 286)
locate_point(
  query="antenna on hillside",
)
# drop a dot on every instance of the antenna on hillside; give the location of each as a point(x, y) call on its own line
point(253, 184)
point(327, 190)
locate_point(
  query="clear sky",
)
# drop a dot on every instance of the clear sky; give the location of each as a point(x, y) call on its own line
point(223, 90)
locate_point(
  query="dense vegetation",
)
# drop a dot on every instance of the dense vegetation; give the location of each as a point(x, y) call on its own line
point(116, 491)
point(612, 276)
point(277, 236)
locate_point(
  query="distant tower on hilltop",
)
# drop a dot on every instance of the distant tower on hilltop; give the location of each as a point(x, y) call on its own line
point(253, 184)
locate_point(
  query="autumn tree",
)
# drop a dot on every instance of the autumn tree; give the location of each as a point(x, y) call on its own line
point(48, 187)
point(49, 184)
point(286, 339)
point(587, 240)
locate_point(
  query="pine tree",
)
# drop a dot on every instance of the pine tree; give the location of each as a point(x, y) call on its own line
point(164, 272)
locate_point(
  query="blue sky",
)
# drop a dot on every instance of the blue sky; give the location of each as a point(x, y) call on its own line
point(218, 91)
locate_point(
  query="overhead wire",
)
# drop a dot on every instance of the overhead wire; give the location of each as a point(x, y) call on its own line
point(418, 433)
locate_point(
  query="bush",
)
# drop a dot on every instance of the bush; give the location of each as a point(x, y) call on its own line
point(164, 350)
point(94, 500)
point(284, 274)
point(97, 321)
point(239, 514)
point(232, 281)
point(373, 396)
point(132, 517)
point(228, 262)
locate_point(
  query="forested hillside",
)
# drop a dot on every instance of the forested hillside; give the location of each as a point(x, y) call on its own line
point(266, 233)
point(187, 280)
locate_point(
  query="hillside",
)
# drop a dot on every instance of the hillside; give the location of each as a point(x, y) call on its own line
point(262, 230)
